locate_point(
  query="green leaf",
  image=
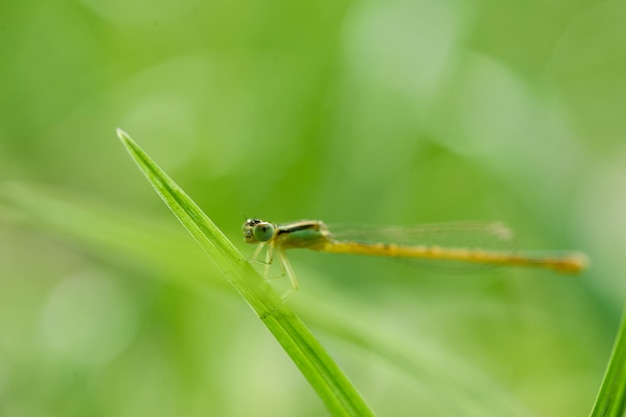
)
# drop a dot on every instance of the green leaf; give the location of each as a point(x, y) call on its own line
point(448, 380)
point(611, 400)
point(336, 391)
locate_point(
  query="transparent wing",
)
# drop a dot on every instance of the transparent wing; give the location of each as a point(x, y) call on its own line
point(487, 236)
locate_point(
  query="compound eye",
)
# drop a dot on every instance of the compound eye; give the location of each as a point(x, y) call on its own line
point(263, 231)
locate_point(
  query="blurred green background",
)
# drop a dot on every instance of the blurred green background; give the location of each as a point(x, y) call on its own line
point(371, 112)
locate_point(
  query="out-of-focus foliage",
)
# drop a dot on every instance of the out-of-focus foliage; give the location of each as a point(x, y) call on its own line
point(374, 112)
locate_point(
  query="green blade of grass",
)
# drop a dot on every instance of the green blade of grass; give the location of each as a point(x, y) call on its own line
point(611, 399)
point(445, 379)
point(336, 391)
